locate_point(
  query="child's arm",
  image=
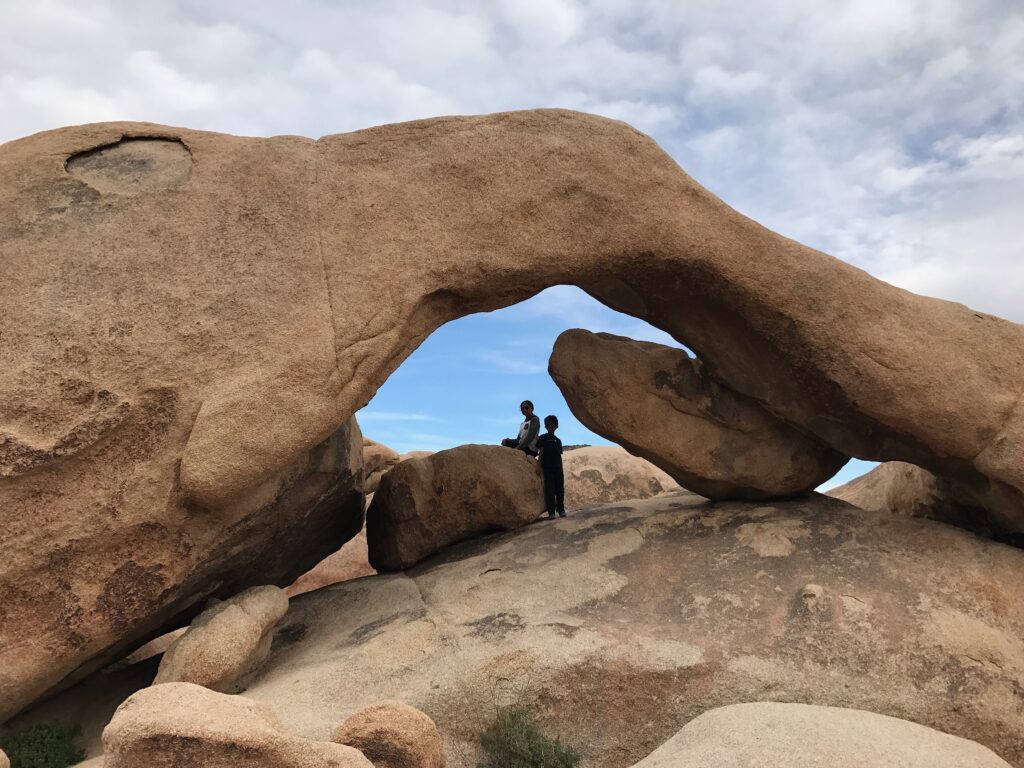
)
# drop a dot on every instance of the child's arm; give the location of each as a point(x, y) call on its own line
point(540, 455)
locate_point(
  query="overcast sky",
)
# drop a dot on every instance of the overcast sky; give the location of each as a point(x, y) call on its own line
point(889, 133)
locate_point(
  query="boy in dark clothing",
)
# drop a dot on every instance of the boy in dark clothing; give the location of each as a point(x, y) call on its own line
point(550, 464)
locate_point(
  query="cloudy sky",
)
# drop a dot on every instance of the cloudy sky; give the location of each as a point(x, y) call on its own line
point(889, 133)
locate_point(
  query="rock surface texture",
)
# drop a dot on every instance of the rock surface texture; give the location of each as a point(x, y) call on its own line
point(179, 724)
point(598, 474)
point(425, 504)
point(771, 735)
point(662, 405)
point(225, 642)
point(377, 459)
point(156, 411)
point(352, 561)
point(620, 624)
point(393, 735)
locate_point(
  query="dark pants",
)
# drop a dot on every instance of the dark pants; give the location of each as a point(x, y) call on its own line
point(554, 490)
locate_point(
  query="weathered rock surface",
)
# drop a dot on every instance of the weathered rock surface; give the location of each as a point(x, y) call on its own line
point(898, 488)
point(663, 405)
point(4, 762)
point(425, 504)
point(377, 459)
point(598, 474)
point(620, 624)
point(179, 724)
point(352, 561)
point(772, 735)
point(150, 402)
point(392, 734)
point(225, 642)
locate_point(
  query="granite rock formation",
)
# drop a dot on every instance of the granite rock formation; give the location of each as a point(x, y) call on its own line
point(662, 405)
point(377, 459)
point(225, 642)
point(620, 624)
point(393, 735)
point(425, 504)
point(598, 474)
point(189, 317)
point(771, 735)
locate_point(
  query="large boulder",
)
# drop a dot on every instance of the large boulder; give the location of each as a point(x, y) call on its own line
point(425, 504)
point(179, 724)
point(772, 735)
point(618, 626)
point(663, 405)
point(225, 642)
point(597, 474)
point(377, 459)
point(189, 316)
point(393, 735)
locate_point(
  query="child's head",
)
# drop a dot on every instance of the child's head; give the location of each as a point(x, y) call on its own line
point(550, 423)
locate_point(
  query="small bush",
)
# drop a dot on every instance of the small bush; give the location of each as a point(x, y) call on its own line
point(516, 741)
point(43, 745)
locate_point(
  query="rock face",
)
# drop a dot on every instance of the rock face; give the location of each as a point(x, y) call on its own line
point(425, 504)
point(664, 406)
point(598, 474)
point(181, 724)
point(393, 735)
point(350, 562)
point(377, 459)
point(225, 642)
point(150, 402)
point(771, 735)
point(619, 625)
point(898, 488)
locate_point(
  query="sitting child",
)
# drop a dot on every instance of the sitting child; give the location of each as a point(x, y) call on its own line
point(550, 464)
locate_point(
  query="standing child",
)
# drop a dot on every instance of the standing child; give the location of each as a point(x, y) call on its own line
point(550, 464)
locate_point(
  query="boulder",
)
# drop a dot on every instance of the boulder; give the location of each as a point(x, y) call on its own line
point(377, 459)
point(425, 504)
point(597, 474)
point(4, 762)
point(349, 562)
point(662, 405)
point(182, 724)
point(619, 625)
point(392, 734)
point(898, 488)
point(772, 735)
point(161, 418)
point(225, 642)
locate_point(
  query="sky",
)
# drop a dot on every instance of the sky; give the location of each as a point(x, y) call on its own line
point(889, 133)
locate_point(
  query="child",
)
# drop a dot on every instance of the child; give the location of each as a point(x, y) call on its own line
point(550, 464)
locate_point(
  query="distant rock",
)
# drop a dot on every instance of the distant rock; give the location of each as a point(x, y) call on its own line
point(349, 562)
point(425, 504)
point(604, 473)
point(662, 405)
point(377, 459)
point(225, 642)
point(620, 624)
point(393, 735)
point(773, 735)
point(416, 455)
point(188, 725)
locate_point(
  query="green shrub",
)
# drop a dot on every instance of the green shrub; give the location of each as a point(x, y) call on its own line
point(43, 745)
point(515, 741)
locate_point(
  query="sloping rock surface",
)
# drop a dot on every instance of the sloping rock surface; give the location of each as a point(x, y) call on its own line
point(662, 405)
point(145, 398)
point(771, 735)
point(225, 642)
point(598, 474)
point(352, 561)
point(425, 504)
point(618, 625)
point(180, 724)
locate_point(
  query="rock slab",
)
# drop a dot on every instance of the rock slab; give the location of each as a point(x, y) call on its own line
point(425, 504)
point(771, 735)
point(225, 642)
point(662, 405)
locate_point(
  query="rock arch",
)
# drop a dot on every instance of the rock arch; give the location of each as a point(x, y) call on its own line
point(267, 287)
